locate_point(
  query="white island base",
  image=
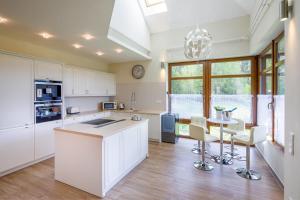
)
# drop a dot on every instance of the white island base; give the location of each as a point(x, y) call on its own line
point(96, 159)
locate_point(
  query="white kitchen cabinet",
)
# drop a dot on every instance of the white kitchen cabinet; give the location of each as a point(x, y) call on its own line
point(154, 126)
point(16, 147)
point(113, 157)
point(16, 89)
point(131, 147)
point(44, 138)
point(87, 82)
point(47, 70)
point(143, 140)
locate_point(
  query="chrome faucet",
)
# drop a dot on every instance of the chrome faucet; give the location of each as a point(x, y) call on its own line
point(132, 101)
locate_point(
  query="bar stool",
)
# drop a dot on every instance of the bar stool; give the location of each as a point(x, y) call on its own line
point(202, 122)
point(257, 134)
point(234, 129)
point(200, 133)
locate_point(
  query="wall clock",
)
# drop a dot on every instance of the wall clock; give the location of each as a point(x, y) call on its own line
point(138, 71)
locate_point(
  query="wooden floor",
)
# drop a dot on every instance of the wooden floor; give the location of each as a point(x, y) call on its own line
point(167, 174)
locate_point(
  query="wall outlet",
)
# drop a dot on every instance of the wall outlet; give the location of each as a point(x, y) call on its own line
point(291, 143)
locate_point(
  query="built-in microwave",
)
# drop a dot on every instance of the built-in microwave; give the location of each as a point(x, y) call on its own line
point(109, 105)
point(48, 91)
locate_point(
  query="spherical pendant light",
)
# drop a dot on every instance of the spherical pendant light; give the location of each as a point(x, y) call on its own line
point(197, 44)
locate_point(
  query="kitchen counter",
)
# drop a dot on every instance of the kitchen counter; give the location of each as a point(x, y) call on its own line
point(105, 131)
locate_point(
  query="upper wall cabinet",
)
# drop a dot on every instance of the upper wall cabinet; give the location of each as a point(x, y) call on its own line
point(86, 82)
point(47, 71)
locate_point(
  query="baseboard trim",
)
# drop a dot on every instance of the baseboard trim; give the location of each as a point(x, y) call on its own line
point(272, 171)
point(24, 165)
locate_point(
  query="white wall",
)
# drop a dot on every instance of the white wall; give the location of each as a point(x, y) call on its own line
point(292, 109)
point(168, 46)
point(127, 19)
point(268, 27)
point(84, 103)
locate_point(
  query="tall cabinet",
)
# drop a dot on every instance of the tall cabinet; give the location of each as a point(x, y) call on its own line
point(16, 124)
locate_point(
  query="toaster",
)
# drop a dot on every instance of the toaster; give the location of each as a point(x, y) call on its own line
point(73, 110)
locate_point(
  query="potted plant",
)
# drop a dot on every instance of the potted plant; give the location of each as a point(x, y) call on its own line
point(219, 111)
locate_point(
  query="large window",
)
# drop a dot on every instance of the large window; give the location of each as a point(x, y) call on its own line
point(186, 89)
point(231, 87)
point(271, 94)
point(195, 88)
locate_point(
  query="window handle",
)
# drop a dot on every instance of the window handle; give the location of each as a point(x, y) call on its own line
point(270, 105)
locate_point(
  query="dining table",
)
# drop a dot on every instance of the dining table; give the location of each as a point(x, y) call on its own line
point(222, 159)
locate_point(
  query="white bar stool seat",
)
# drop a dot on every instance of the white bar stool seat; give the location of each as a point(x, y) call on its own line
point(235, 129)
point(202, 121)
point(201, 134)
point(257, 134)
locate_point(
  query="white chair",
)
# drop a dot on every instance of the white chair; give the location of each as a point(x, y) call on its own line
point(234, 129)
point(257, 134)
point(202, 122)
point(200, 133)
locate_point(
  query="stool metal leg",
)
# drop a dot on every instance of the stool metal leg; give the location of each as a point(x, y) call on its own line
point(197, 149)
point(232, 154)
point(203, 165)
point(247, 172)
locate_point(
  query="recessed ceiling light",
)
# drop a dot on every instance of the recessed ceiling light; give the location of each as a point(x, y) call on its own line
point(77, 46)
point(3, 20)
point(88, 36)
point(119, 50)
point(99, 53)
point(45, 35)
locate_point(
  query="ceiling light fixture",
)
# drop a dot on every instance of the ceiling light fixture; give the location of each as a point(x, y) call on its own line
point(45, 35)
point(77, 46)
point(88, 36)
point(3, 20)
point(197, 44)
point(119, 50)
point(99, 53)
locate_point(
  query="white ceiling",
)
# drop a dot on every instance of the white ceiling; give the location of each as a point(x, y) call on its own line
point(184, 13)
point(67, 20)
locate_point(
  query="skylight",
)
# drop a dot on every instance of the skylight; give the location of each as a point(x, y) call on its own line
point(151, 7)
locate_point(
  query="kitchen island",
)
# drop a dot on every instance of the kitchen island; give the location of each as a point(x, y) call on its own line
point(94, 158)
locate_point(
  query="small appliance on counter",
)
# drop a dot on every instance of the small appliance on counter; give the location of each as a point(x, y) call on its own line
point(136, 118)
point(109, 105)
point(73, 110)
point(121, 106)
point(168, 128)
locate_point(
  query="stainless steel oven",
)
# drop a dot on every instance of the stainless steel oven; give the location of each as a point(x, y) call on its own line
point(48, 91)
point(45, 112)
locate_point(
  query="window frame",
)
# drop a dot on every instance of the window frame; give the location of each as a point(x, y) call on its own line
point(275, 64)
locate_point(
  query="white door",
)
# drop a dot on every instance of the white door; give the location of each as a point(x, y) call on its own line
point(44, 138)
point(47, 70)
point(16, 147)
point(92, 82)
point(68, 81)
point(16, 89)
